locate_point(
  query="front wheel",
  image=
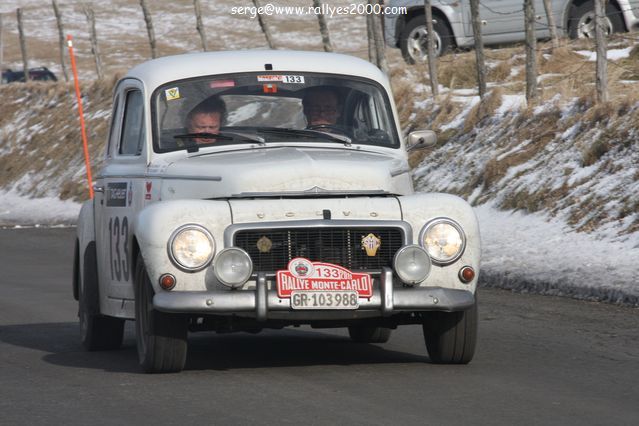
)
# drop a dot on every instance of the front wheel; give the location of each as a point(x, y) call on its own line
point(582, 21)
point(414, 39)
point(97, 332)
point(161, 338)
point(451, 337)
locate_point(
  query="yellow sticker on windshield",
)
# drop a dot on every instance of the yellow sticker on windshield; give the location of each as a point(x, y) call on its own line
point(172, 94)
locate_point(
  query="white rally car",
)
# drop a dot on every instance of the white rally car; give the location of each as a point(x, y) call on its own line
point(264, 219)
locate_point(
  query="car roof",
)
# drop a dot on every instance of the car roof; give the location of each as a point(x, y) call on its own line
point(169, 68)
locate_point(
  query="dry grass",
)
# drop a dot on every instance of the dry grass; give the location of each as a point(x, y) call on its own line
point(500, 73)
point(485, 108)
point(457, 71)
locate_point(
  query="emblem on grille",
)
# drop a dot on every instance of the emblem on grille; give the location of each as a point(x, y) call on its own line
point(264, 244)
point(301, 267)
point(371, 243)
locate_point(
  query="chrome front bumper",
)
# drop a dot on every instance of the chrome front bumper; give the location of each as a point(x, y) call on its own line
point(386, 300)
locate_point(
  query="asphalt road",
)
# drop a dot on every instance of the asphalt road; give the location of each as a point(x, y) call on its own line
point(540, 360)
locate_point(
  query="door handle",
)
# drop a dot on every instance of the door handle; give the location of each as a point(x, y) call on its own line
point(97, 188)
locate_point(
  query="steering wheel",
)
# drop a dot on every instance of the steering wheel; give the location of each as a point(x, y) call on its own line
point(329, 127)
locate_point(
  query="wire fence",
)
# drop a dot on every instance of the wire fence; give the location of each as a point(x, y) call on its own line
point(123, 39)
point(122, 36)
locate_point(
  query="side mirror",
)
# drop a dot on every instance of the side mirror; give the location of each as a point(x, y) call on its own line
point(421, 139)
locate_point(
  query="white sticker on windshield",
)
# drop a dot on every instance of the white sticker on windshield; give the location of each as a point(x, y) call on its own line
point(172, 93)
point(291, 79)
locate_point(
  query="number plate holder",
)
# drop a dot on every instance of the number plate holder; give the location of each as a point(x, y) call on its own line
point(324, 300)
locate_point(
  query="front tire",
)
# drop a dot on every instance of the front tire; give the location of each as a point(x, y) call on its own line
point(582, 21)
point(451, 337)
point(414, 39)
point(161, 338)
point(369, 334)
point(97, 332)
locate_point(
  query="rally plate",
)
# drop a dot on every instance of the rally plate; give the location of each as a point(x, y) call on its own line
point(324, 300)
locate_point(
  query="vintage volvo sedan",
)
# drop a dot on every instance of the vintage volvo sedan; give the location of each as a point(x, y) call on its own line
point(264, 189)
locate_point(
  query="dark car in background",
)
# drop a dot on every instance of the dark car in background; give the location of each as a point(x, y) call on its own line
point(36, 74)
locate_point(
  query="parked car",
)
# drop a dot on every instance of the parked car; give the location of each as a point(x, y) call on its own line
point(268, 221)
point(36, 74)
point(503, 22)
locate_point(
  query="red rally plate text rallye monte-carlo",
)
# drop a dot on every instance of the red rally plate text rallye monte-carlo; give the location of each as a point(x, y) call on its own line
point(320, 285)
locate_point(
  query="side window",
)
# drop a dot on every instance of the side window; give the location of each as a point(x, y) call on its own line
point(133, 125)
point(113, 135)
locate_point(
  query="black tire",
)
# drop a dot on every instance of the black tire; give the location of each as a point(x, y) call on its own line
point(581, 23)
point(413, 39)
point(451, 337)
point(97, 332)
point(369, 334)
point(161, 338)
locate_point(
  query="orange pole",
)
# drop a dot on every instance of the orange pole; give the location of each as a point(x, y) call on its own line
point(87, 160)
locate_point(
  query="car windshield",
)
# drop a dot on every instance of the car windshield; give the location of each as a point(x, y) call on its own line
point(270, 107)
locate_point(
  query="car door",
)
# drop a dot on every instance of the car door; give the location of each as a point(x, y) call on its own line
point(503, 20)
point(119, 182)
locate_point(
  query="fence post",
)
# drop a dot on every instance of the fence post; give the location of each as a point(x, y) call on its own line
point(372, 53)
point(264, 26)
point(531, 52)
point(379, 41)
point(326, 41)
point(1, 48)
point(479, 48)
point(58, 18)
point(551, 24)
point(601, 77)
point(149, 28)
point(198, 24)
point(432, 59)
point(23, 46)
point(88, 12)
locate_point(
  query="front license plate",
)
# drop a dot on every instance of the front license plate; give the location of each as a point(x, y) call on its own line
point(324, 300)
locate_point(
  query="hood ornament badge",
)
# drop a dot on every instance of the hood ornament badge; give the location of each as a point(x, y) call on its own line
point(371, 243)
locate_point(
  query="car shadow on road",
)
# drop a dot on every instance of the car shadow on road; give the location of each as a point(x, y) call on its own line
point(60, 343)
point(287, 348)
point(207, 351)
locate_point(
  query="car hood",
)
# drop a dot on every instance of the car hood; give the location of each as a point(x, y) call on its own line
point(282, 171)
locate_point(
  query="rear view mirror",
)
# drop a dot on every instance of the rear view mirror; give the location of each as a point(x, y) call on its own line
point(420, 139)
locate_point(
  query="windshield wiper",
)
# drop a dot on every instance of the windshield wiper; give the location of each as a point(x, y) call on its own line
point(308, 133)
point(226, 136)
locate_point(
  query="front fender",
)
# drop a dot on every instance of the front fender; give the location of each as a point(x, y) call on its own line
point(419, 209)
point(85, 235)
point(154, 225)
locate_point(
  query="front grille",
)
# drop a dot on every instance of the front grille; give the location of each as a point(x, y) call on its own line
point(340, 246)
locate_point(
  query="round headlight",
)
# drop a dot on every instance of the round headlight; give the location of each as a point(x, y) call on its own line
point(233, 267)
point(411, 264)
point(444, 240)
point(191, 247)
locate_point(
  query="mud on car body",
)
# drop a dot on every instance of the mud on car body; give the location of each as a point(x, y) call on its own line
point(268, 222)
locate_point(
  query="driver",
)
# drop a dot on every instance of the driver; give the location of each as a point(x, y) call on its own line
point(321, 107)
point(206, 117)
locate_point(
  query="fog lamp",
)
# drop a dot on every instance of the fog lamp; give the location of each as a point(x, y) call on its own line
point(233, 267)
point(412, 264)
